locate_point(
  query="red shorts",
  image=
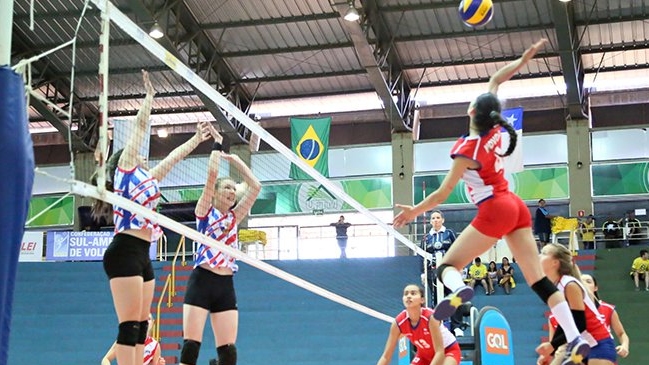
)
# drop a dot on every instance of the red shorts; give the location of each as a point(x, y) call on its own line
point(451, 351)
point(502, 214)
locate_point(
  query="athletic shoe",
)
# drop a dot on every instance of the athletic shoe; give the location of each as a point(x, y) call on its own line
point(447, 306)
point(576, 352)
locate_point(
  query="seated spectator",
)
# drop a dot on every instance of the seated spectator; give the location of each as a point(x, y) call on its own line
point(492, 276)
point(612, 232)
point(506, 275)
point(587, 231)
point(639, 270)
point(478, 274)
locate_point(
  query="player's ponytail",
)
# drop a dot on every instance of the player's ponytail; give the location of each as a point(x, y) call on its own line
point(513, 137)
point(101, 209)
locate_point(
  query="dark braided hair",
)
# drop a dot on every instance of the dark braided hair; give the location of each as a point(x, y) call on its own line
point(101, 209)
point(487, 115)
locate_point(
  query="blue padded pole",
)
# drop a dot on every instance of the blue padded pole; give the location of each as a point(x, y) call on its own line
point(6, 22)
point(17, 164)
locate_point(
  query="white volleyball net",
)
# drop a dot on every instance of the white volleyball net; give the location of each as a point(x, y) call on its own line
point(175, 83)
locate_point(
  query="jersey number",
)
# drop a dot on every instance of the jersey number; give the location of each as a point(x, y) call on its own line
point(422, 344)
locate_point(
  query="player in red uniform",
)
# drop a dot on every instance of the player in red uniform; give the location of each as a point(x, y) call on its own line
point(611, 318)
point(435, 343)
point(556, 261)
point(152, 355)
point(607, 310)
point(477, 159)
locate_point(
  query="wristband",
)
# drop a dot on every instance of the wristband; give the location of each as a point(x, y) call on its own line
point(217, 146)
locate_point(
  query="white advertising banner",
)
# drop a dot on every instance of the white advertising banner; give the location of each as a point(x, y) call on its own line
point(31, 248)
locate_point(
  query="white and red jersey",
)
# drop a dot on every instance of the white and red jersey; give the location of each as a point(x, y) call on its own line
point(419, 335)
point(223, 228)
point(139, 186)
point(150, 346)
point(596, 328)
point(488, 179)
point(606, 309)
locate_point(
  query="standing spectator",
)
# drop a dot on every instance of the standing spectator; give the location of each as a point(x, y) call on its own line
point(542, 226)
point(612, 232)
point(631, 226)
point(587, 230)
point(492, 276)
point(341, 235)
point(639, 270)
point(506, 275)
point(478, 274)
point(438, 239)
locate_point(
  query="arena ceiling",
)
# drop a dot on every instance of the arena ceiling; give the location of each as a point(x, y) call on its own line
point(260, 51)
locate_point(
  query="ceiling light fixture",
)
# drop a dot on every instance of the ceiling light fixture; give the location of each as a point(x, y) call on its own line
point(352, 14)
point(156, 31)
point(163, 132)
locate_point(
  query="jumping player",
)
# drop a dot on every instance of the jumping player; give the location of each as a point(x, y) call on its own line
point(126, 260)
point(477, 159)
point(556, 261)
point(210, 289)
point(434, 342)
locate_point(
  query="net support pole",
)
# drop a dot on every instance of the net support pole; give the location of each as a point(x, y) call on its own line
point(102, 146)
point(6, 23)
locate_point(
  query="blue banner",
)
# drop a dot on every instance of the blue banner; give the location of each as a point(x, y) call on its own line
point(81, 246)
point(495, 341)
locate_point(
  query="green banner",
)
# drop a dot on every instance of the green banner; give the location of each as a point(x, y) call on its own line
point(310, 142)
point(311, 197)
point(621, 179)
point(60, 214)
point(529, 184)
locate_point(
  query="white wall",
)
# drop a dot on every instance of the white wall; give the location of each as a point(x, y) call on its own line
point(377, 159)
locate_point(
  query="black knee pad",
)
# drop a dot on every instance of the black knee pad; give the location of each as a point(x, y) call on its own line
point(189, 353)
point(144, 327)
point(440, 271)
point(128, 333)
point(544, 289)
point(227, 354)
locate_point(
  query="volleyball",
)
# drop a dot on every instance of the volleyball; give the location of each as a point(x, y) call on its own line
point(475, 13)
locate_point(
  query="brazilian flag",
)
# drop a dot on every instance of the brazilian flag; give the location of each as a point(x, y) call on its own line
point(310, 142)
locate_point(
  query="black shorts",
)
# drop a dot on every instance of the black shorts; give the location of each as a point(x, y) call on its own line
point(211, 291)
point(128, 256)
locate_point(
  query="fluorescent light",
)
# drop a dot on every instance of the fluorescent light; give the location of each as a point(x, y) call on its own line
point(156, 31)
point(163, 132)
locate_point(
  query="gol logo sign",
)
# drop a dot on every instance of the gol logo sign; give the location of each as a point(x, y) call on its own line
point(497, 341)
